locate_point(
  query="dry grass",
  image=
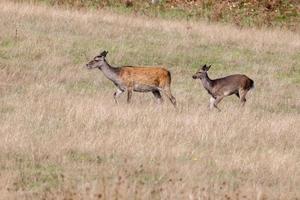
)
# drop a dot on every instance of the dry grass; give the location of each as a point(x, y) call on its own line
point(62, 136)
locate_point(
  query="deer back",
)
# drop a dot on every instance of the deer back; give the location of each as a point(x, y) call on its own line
point(156, 76)
point(231, 84)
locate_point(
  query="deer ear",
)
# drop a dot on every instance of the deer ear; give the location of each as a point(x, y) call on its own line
point(208, 67)
point(204, 67)
point(103, 53)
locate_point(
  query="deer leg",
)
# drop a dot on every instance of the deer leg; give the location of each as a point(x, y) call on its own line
point(129, 95)
point(243, 96)
point(167, 92)
point(217, 100)
point(158, 96)
point(116, 94)
point(211, 102)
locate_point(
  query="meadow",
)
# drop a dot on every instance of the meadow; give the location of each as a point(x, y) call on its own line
point(242, 13)
point(63, 136)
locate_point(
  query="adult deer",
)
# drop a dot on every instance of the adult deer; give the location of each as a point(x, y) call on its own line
point(237, 84)
point(135, 78)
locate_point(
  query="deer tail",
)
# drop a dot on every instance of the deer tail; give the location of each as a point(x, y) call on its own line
point(169, 78)
point(251, 85)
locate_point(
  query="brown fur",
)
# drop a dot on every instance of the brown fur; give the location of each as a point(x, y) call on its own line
point(152, 76)
point(144, 79)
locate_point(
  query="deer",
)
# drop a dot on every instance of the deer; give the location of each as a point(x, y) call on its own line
point(155, 79)
point(238, 84)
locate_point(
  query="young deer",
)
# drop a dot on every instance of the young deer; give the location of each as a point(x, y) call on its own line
point(237, 84)
point(132, 78)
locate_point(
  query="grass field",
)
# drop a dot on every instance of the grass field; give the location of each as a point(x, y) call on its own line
point(63, 137)
point(242, 13)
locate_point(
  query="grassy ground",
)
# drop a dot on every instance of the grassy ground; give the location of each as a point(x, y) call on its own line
point(243, 13)
point(62, 136)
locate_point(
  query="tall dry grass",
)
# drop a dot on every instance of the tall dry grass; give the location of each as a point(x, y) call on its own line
point(62, 136)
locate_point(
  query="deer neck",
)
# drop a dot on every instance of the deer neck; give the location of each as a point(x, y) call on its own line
point(110, 72)
point(207, 83)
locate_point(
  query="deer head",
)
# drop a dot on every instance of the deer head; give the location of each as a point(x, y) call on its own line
point(202, 72)
point(98, 61)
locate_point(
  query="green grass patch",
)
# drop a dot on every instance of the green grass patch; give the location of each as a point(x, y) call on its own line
point(40, 175)
point(81, 156)
point(6, 44)
point(88, 157)
point(6, 109)
point(32, 175)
